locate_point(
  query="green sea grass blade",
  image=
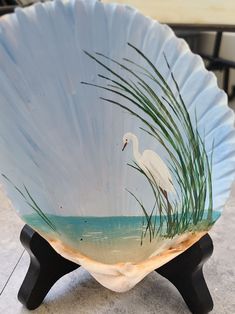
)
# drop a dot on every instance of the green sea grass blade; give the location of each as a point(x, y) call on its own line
point(34, 206)
point(46, 219)
point(189, 161)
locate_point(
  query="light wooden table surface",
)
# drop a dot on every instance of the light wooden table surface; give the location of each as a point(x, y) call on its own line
point(192, 12)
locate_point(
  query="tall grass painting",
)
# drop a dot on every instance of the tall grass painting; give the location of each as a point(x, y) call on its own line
point(166, 119)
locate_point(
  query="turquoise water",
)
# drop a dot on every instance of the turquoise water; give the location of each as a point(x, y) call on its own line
point(76, 231)
point(92, 229)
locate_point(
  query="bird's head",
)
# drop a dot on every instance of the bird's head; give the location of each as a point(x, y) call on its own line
point(126, 139)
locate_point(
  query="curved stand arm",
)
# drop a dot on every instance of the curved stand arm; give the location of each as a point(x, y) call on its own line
point(47, 266)
point(185, 272)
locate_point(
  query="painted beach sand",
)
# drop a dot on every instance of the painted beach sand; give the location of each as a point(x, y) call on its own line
point(111, 248)
point(108, 240)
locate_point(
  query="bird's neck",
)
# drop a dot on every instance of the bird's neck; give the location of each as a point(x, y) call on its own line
point(136, 152)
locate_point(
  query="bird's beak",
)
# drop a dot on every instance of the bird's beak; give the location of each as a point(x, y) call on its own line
point(124, 146)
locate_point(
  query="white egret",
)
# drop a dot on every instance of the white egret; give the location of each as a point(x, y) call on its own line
point(152, 165)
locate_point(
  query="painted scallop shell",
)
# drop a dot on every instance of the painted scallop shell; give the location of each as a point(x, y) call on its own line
point(80, 81)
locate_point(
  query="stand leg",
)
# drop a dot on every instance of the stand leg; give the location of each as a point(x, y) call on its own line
point(185, 272)
point(46, 267)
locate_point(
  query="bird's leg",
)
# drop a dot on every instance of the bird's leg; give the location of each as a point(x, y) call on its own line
point(169, 207)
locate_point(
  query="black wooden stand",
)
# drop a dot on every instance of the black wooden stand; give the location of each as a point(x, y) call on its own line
point(46, 267)
point(185, 272)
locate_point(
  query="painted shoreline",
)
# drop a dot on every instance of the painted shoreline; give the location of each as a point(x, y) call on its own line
point(121, 277)
point(121, 237)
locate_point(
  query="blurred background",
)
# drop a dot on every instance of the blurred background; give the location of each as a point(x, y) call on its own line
point(207, 26)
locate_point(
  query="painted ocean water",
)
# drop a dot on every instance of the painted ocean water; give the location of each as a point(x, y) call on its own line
point(106, 239)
